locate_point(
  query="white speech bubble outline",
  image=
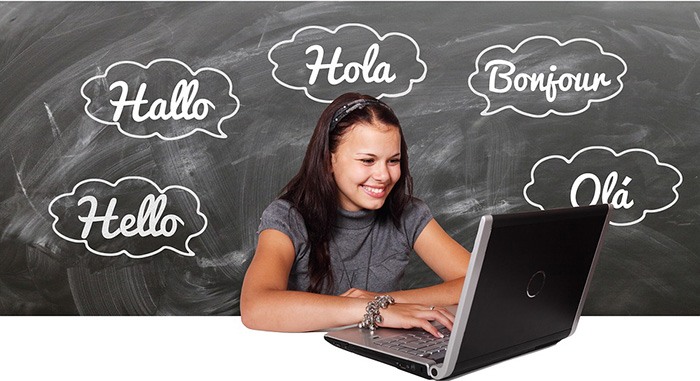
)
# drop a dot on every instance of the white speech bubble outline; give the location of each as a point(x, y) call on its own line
point(188, 253)
point(486, 111)
point(380, 38)
point(569, 161)
point(221, 134)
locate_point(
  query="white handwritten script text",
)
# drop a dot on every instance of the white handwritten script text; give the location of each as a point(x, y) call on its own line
point(543, 76)
point(149, 221)
point(132, 216)
point(352, 57)
point(502, 81)
point(183, 103)
point(634, 182)
point(603, 193)
point(351, 72)
point(164, 98)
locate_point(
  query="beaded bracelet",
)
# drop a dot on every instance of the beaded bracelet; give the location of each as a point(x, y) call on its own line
point(372, 317)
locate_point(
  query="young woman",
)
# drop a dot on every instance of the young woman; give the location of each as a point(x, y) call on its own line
point(340, 234)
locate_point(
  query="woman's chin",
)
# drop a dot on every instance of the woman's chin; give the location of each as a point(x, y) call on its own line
point(374, 204)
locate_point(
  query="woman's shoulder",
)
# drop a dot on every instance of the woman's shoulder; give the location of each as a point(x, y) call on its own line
point(281, 208)
point(281, 215)
point(278, 205)
point(414, 219)
point(416, 207)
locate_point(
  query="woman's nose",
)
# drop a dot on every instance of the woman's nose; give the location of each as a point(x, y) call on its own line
point(381, 173)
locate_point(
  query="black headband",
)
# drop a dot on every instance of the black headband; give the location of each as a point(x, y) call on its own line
point(344, 111)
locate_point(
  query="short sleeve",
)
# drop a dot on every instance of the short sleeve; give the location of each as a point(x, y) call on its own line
point(415, 218)
point(281, 216)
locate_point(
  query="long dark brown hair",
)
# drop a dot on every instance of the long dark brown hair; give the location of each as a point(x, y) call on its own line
point(314, 193)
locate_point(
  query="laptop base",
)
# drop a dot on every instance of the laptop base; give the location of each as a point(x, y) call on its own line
point(415, 368)
point(470, 365)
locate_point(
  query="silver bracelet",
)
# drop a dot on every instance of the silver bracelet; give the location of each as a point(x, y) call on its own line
point(372, 317)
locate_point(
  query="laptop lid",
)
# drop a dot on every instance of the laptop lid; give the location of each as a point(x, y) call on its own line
point(527, 281)
point(526, 286)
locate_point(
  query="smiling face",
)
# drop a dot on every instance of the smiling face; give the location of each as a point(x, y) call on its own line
point(366, 165)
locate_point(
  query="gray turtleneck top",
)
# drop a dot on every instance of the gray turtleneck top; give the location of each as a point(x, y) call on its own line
point(365, 253)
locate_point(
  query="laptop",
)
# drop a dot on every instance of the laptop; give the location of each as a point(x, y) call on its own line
point(525, 288)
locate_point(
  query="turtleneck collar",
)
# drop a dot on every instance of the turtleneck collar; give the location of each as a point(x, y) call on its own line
point(354, 220)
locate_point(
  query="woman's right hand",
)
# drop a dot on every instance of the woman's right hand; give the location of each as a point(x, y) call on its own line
point(406, 316)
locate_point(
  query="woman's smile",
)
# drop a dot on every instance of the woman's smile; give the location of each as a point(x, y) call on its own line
point(377, 192)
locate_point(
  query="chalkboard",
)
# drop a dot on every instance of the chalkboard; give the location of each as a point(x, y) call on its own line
point(140, 142)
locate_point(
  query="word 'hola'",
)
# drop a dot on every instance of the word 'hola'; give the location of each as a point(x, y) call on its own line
point(352, 71)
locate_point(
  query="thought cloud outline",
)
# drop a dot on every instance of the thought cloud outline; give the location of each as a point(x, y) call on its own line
point(334, 31)
point(188, 253)
point(220, 135)
point(486, 111)
point(571, 160)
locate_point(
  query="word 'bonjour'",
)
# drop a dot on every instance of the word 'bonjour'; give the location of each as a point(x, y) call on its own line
point(604, 192)
point(149, 221)
point(183, 103)
point(502, 81)
point(352, 71)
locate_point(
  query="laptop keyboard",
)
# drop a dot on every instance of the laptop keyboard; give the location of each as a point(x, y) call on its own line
point(419, 343)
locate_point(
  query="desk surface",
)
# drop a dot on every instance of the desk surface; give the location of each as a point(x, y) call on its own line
point(221, 348)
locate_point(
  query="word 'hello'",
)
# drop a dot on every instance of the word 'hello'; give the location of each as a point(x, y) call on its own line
point(352, 71)
point(603, 193)
point(501, 81)
point(182, 103)
point(148, 222)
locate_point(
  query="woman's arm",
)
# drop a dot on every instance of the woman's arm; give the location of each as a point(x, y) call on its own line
point(266, 303)
point(447, 258)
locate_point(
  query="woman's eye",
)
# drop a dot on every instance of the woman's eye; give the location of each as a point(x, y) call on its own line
point(367, 161)
point(395, 161)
